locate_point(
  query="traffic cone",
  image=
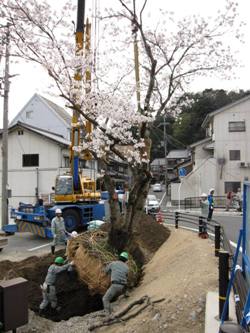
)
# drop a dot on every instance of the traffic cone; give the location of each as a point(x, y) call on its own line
point(159, 218)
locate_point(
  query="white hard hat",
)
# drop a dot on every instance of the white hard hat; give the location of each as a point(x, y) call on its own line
point(203, 195)
point(74, 234)
point(211, 189)
point(58, 211)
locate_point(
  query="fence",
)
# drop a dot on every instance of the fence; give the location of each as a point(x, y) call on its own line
point(221, 242)
point(219, 202)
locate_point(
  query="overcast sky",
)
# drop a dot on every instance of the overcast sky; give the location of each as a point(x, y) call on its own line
point(32, 80)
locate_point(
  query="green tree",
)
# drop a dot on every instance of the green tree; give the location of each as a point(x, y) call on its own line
point(194, 108)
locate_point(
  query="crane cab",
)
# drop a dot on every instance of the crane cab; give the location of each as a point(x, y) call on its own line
point(64, 190)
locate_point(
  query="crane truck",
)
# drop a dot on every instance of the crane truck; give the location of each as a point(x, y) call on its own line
point(75, 195)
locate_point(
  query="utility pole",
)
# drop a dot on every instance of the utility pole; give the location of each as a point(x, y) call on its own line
point(165, 153)
point(5, 214)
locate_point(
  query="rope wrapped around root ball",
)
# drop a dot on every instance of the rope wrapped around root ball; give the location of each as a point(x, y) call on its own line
point(90, 253)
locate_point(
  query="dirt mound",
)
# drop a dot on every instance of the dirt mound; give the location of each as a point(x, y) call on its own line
point(147, 238)
point(182, 271)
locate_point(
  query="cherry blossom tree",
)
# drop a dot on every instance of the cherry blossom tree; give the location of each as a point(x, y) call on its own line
point(121, 108)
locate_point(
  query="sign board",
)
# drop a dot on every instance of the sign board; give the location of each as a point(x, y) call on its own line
point(182, 172)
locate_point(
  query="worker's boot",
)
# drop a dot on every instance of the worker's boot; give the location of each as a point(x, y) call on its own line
point(53, 249)
point(41, 312)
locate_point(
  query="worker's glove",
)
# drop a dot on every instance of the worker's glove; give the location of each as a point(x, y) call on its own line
point(43, 286)
point(70, 268)
point(74, 234)
point(71, 263)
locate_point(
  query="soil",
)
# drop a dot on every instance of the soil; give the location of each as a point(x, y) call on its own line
point(181, 271)
point(72, 293)
point(34, 269)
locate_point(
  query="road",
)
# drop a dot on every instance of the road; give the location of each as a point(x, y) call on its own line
point(231, 221)
point(23, 245)
point(231, 225)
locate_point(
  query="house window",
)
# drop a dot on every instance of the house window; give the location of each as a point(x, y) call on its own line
point(30, 160)
point(234, 155)
point(236, 126)
point(82, 164)
point(232, 186)
point(121, 169)
point(20, 132)
point(29, 114)
point(66, 162)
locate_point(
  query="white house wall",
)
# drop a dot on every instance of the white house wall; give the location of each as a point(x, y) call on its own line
point(38, 114)
point(23, 181)
point(225, 141)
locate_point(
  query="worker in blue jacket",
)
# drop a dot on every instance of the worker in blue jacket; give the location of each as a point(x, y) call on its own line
point(210, 199)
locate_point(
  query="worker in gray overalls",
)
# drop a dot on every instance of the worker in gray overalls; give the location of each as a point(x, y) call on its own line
point(48, 287)
point(119, 273)
point(58, 230)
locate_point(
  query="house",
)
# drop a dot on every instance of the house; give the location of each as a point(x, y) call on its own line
point(174, 158)
point(221, 160)
point(35, 158)
point(43, 113)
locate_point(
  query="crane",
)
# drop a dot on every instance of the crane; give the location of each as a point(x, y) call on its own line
point(75, 187)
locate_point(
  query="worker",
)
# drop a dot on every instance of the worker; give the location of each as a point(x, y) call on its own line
point(204, 204)
point(210, 199)
point(58, 230)
point(48, 287)
point(119, 272)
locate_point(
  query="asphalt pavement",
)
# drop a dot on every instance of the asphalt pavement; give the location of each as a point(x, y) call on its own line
point(23, 245)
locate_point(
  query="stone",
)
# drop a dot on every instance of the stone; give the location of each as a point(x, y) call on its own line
point(156, 316)
point(193, 315)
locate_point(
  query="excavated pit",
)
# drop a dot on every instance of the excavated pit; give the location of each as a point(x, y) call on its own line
point(74, 296)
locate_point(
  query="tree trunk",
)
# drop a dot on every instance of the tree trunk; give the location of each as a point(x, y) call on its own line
point(117, 234)
point(123, 225)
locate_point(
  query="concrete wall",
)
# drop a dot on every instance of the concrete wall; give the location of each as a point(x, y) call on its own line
point(200, 180)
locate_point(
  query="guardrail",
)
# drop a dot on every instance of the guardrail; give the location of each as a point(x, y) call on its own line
point(219, 202)
point(222, 248)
